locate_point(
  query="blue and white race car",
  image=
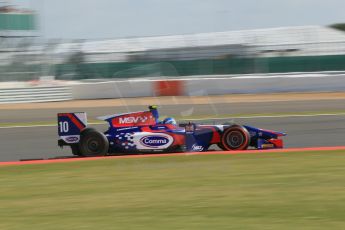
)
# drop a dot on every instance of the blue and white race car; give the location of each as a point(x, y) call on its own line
point(143, 132)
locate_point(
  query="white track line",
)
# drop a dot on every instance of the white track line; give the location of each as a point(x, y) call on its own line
point(270, 116)
point(202, 119)
point(34, 126)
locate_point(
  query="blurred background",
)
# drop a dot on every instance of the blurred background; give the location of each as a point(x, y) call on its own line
point(73, 40)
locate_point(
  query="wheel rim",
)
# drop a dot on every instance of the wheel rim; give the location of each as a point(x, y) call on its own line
point(93, 145)
point(235, 139)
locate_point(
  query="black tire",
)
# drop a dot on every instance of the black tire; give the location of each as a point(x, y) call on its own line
point(86, 130)
point(75, 147)
point(93, 143)
point(221, 146)
point(76, 150)
point(235, 137)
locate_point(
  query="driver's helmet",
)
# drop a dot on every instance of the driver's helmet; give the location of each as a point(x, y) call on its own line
point(169, 120)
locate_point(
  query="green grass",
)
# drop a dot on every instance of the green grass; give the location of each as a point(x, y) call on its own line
point(184, 118)
point(263, 191)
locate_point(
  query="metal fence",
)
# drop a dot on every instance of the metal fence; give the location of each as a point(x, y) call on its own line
point(36, 94)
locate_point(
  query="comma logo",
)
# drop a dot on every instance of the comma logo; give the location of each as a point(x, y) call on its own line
point(154, 141)
point(72, 139)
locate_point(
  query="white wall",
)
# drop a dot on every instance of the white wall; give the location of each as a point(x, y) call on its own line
point(216, 86)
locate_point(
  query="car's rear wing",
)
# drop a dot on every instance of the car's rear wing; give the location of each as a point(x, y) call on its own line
point(141, 118)
point(70, 125)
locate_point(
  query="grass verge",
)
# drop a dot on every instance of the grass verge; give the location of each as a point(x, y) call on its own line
point(303, 190)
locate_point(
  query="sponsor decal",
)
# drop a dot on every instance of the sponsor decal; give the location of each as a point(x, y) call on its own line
point(128, 128)
point(72, 139)
point(132, 120)
point(267, 146)
point(154, 141)
point(197, 148)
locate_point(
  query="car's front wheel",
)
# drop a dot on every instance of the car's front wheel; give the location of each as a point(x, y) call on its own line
point(93, 143)
point(235, 137)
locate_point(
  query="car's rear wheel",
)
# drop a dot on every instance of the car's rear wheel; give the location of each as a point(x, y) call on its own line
point(76, 150)
point(235, 137)
point(93, 143)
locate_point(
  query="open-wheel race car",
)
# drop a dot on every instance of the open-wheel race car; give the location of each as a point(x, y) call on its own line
point(143, 132)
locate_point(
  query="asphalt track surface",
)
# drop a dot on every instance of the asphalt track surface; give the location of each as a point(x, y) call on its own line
point(311, 131)
point(315, 131)
point(48, 115)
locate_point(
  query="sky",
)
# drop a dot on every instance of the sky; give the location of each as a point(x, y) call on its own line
point(104, 19)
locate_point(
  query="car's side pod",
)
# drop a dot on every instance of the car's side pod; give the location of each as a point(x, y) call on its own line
point(70, 126)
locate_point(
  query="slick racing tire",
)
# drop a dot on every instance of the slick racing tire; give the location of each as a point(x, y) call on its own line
point(75, 147)
point(75, 150)
point(235, 137)
point(93, 143)
point(220, 145)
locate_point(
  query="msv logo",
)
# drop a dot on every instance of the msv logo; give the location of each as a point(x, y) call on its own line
point(132, 120)
point(154, 141)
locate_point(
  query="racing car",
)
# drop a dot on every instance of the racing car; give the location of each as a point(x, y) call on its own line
point(144, 132)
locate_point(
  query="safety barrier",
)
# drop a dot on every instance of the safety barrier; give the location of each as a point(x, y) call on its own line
point(112, 89)
point(35, 94)
point(266, 84)
point(193, 86)
point(217, 85)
